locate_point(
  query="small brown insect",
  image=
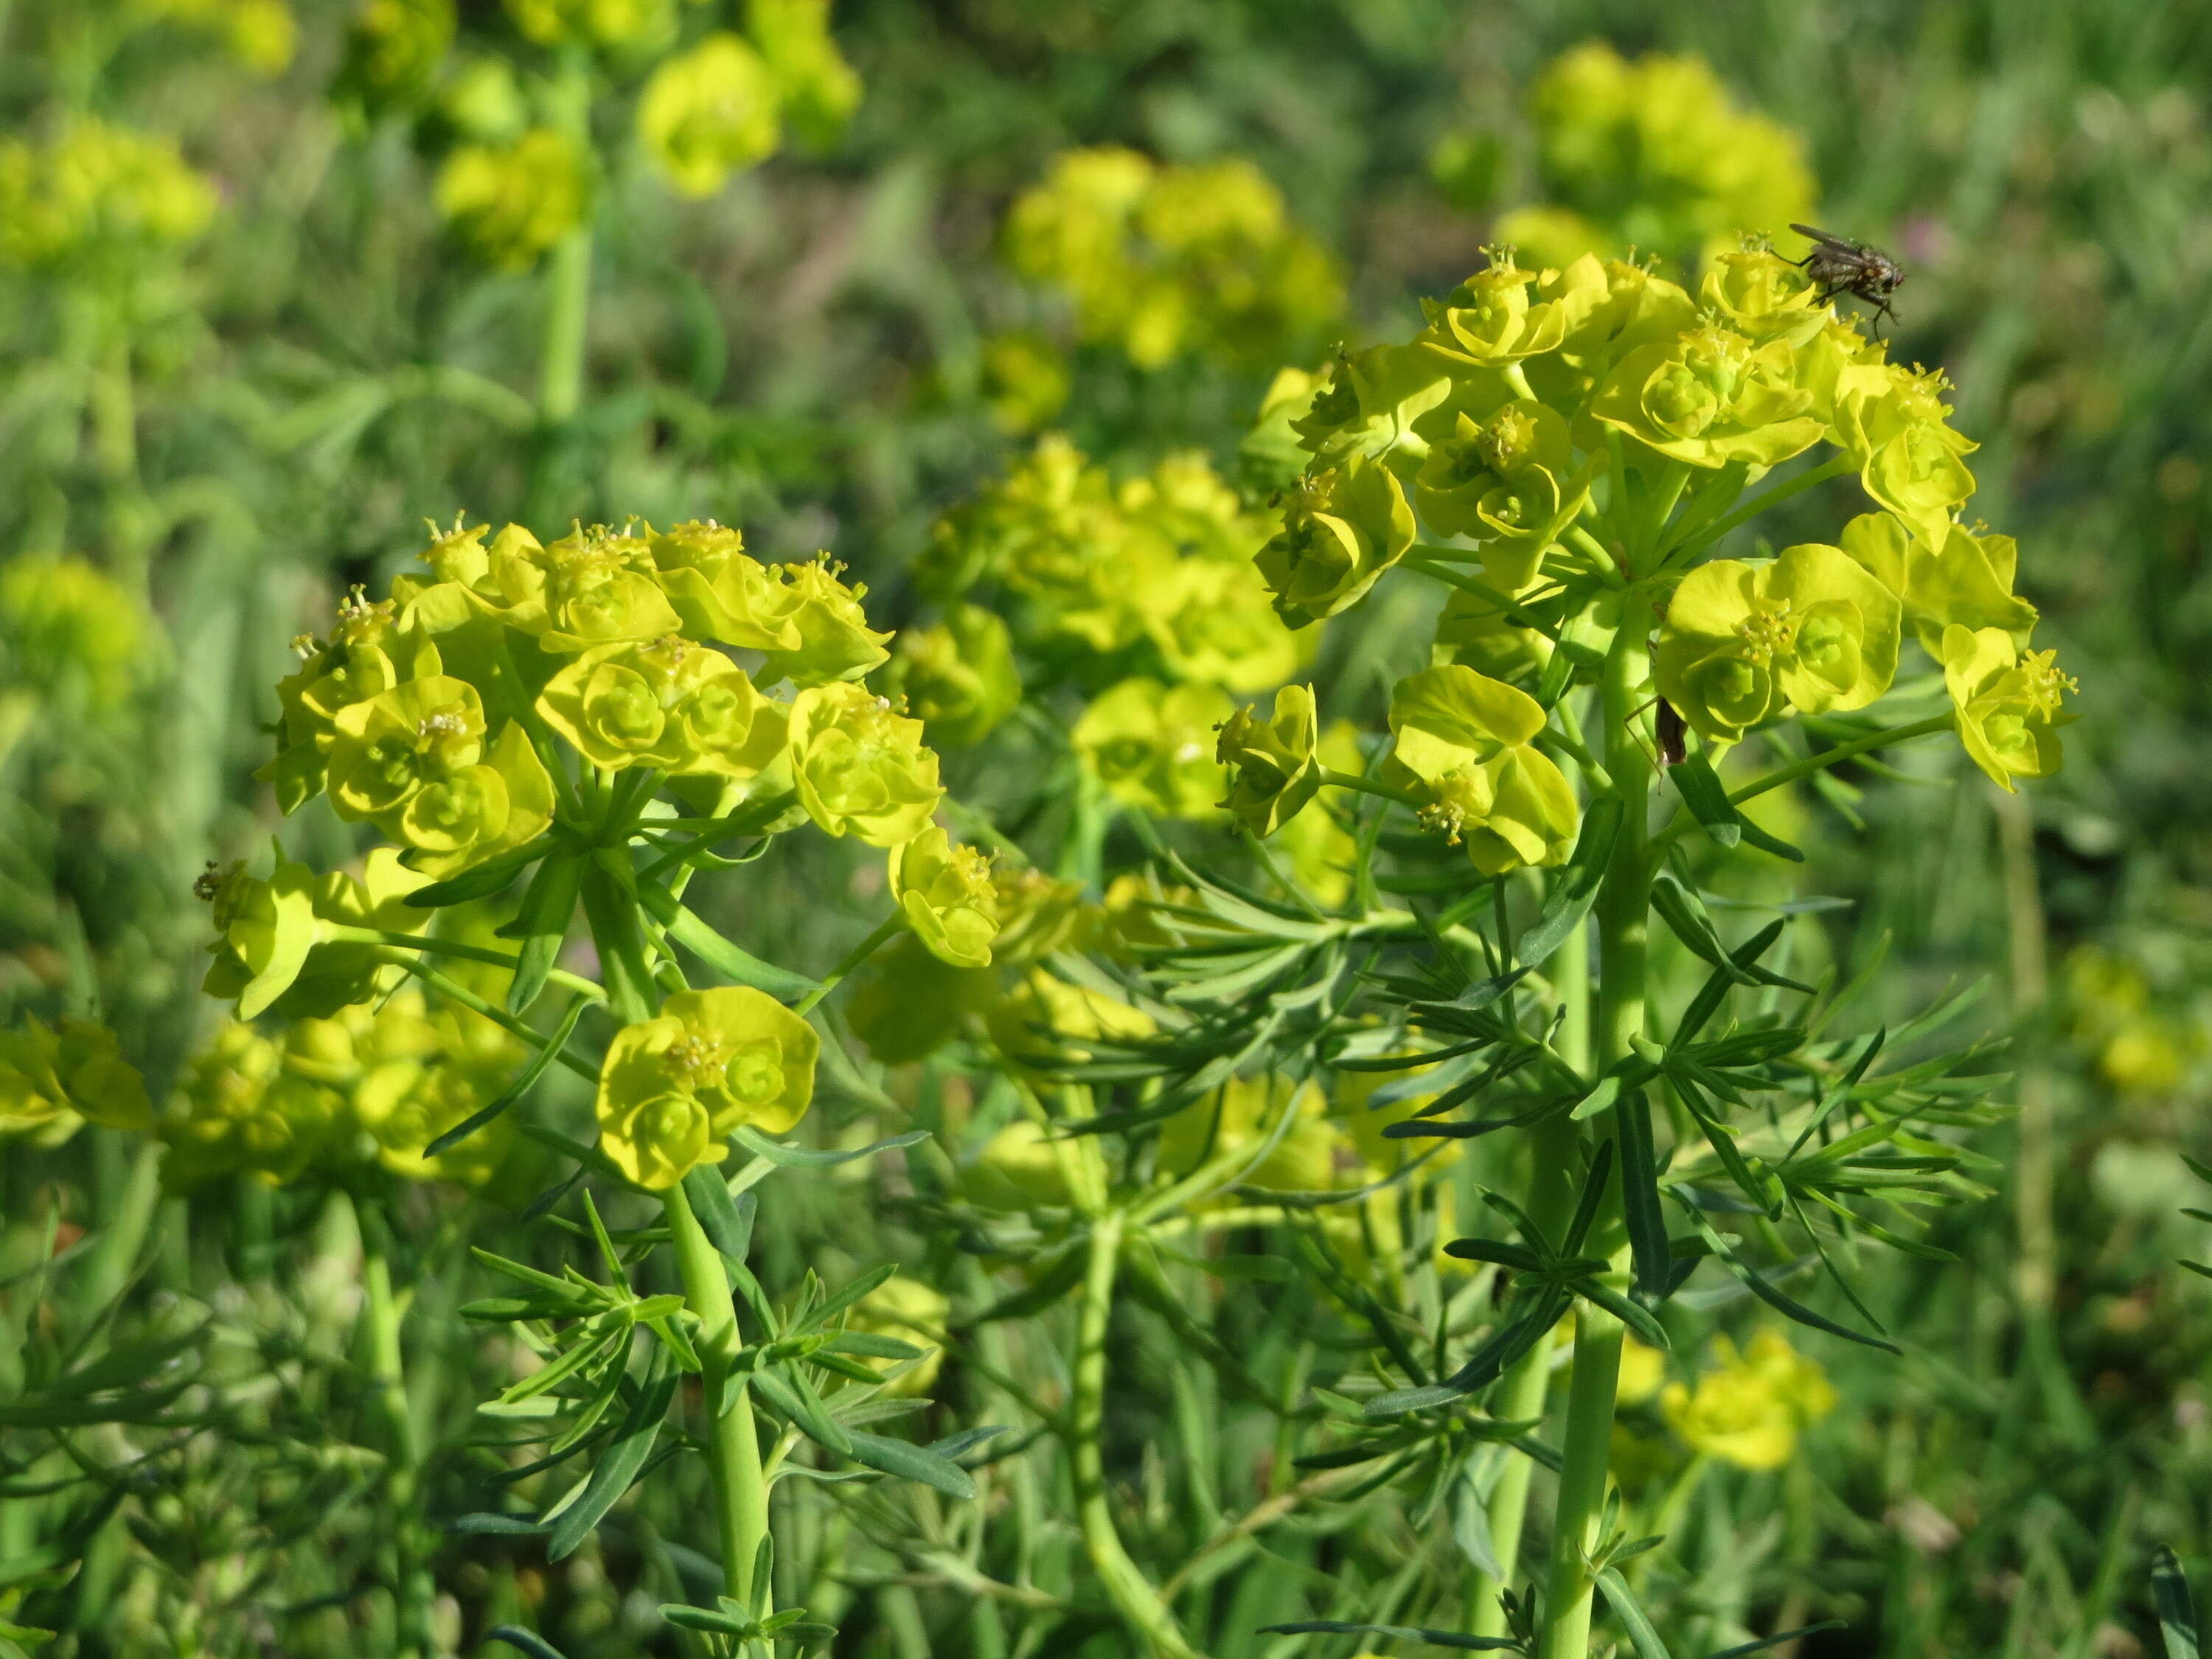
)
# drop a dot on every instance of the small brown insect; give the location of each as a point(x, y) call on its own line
point(1666, 727)
point(1840, 266)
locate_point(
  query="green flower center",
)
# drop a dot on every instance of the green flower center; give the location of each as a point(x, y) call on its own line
point(1679, 401)
point(1768, 632)
point(695, 1059)
point(622, 708)
point(755, 1073)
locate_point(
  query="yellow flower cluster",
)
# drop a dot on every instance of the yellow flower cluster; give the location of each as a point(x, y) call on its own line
point(1750, 1410)
point(2138, 1048)
point(1533, 395)
point(55, 1079)
point(723, 105)
point(261, 35)
point(1652, 155)
point(518, 688)
point(322, 1099)
point(97, 192)
point(1164, 262)
point(72, 635)
point(1154, 573)
point(508, 203)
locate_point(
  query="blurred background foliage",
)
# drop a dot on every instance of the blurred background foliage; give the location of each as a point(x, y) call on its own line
point(278, 284)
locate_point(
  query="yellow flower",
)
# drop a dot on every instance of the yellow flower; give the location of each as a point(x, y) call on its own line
point(1153, 746)
point(860, 769)
point(70, 631)
point(946, 895)
point(54, 1077)
point(1749, 1411)
point(1642, 1370)
point(708, 113)
point(711, 1062)
point(632, 25)
point(510, 203)
point(97, 189)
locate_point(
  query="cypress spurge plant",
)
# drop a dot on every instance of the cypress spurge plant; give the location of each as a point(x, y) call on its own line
point(565, 720)
point(1569, 456)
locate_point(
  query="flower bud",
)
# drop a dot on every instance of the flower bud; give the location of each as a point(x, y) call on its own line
point(1275, 768)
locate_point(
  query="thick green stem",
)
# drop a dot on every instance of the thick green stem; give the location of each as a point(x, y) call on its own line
point(569, 274)
point(733, 1444)
point(1132, 1594)
point(1623, 912)
point(413, 1590)
point(1520, 1391)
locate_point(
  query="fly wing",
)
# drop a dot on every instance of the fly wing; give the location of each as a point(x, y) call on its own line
point(1839, 244)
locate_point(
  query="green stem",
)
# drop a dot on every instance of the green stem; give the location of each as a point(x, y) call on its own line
point(1551, 1202)
point(1442, 564)
point(123, 1234)
point(413, 1590)
point(1371, 786)
point(733, 1456)
point(860, 953)
point(568, 276)
point(1841, 752)
point(1622, 913)
point(1132, 1594)
point(469, 999)
point(337, 934)
point(114, 410)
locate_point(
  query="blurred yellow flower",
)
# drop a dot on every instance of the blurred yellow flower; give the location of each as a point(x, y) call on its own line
point(1749, 1411)
point(510, 203)
point(619, 24)
point(1162, 262)
point(911, 1311)
point(70, 631)
point(708, 113)
point(97, 189)
point(1652, 155)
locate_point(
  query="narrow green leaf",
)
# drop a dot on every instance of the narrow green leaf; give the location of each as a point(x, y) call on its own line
point(732, 962)
point(908, 1461)
point(1626, 1608)
point(801, 1158)
point(1706, 797)
point(1785, 1305)
point(727, 1222)
point(1742, 1650)
point(794, 1398)
point(549, 907)
point(1641, 1210)
point(528, 1641)
point(1435, 1638)
point(525, 1080)
point(2177, 1606)
point(1576, 889)
point(617, 1466)
point(491, 877)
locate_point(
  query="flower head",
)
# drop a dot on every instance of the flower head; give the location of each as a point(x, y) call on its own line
point(861, 769)
point(709, 1063)
point(709, 112)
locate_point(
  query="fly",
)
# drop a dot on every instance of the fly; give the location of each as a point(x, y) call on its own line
point(1840, 266)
